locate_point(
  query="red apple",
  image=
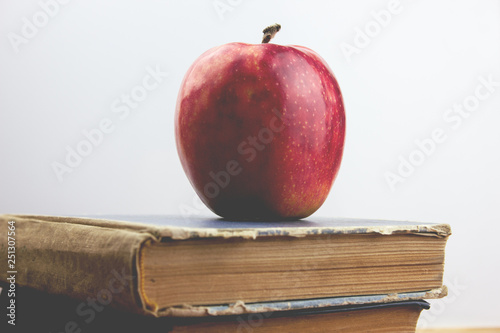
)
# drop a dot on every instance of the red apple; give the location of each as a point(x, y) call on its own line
point(260, 129)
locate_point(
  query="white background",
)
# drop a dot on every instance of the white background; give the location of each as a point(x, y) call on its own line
point(65, 77)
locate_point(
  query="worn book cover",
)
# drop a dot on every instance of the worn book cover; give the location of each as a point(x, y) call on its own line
point(42, 312)
point(172, 266)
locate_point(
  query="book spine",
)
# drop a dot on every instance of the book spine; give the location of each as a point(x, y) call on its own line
point(95, 264)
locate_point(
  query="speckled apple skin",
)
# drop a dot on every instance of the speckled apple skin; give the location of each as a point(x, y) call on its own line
point(260, 130)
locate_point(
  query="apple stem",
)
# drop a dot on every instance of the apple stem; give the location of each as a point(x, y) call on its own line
point(270, 32)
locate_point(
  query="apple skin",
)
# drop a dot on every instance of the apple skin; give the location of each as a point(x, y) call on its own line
point(260, 130)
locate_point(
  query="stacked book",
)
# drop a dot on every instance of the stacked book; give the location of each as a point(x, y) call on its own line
point(172, 274)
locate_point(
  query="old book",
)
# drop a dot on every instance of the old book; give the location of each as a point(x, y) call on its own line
point(397, 317)
point(42, 312)
point(170, 266)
